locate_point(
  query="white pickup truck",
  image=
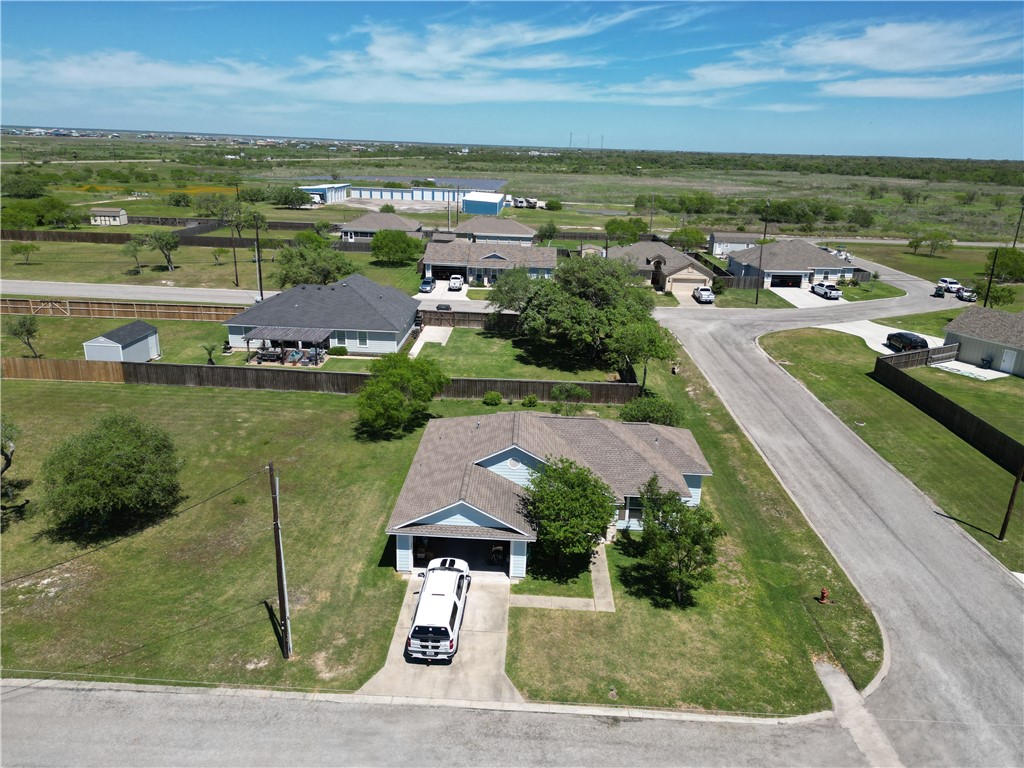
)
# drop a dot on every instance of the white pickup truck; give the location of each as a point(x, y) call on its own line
point(455, 283)
point(703, 295)
point(827, 290)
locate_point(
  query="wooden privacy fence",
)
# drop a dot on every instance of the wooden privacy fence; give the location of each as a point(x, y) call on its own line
point(75, 308)
point(979, 434)
point(915, 358)
point(284, 379)
point(488, 320)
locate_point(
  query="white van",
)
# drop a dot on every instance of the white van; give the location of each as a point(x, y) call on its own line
point(435, 625)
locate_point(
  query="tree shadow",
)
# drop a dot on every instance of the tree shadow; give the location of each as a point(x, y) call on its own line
point(370, 433)
point(84, 531)
point(550, 354)
point(645, 582)
point(560, 570)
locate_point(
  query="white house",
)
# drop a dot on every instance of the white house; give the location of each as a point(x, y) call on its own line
point(137, 342)
point(463, 494)
point(108, 217)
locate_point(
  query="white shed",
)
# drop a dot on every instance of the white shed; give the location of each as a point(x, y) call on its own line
point(108, 217)
point(137, 342)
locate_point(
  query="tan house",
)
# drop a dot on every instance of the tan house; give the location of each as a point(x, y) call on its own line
point(666, 268)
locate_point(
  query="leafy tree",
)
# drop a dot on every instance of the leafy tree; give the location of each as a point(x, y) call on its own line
point(25, 250)
point(688, 238)
point(699, 201)
point(117, 477)
point(395, 248)
point(322, 227)
point(625, 231)
point(553, 204)
point(54, 212)
point(387, 208)
point(861, 217)
point(512, 290)
point(998, 200)
point(24, 185)
point(996, 296)
point(547, 231)
point(652, 409)
point(9, 432)
point(218, 254)
point(209, 204)
point(252, 194)
point(290, 197)
point(163, 241)
point(25, 328)
point(21, 214)
point(397, 396)
point(179, 199)
point(132, 249)
point(640, 342)
point(1009, 264)
point(938, 240)
point(570, 508)
point(311, 261)
point(679, 542)
point(915, 242)
point(570, 398)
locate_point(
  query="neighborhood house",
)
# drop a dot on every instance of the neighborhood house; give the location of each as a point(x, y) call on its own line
point(789, 264)
point(365, 227)
point(494, 229)
point(354, 312)
point(663, 266)
point(481, 262)
point(463, 494)
point(989, 338)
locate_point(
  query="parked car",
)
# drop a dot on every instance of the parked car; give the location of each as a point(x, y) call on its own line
point(440, 609)
point(443, 308)
point(827, 290)
point(949, 284)
point(703, 295)
point(903, 341)
point(427, 285)
point(455, 283)
point(966, 294)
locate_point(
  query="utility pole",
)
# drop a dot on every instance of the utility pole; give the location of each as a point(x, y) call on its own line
point(259, 260)
point(760, 255)
point(284, 619)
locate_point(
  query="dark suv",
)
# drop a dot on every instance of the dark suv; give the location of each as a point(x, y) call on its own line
point(903, 341)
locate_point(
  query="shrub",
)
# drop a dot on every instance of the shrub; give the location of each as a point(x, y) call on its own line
point(492, 398)
point(338, 351)
point(553, 204)
point(530, 401)
point(569, 397)
point(853, 282)
point(651, 409)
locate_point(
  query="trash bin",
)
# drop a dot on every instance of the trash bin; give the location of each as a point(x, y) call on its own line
point(986, 362)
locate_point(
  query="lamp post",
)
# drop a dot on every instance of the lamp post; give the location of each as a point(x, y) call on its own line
point(995, 256)
point(760, 255)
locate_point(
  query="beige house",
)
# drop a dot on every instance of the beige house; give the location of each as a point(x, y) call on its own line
point(666, 268)
point(108, 217)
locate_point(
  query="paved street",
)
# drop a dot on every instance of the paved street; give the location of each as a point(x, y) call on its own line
point(953, 694)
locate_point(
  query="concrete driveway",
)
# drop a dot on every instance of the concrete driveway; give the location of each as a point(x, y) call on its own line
point(874, 334)
point(805, 298)
point(477, 673)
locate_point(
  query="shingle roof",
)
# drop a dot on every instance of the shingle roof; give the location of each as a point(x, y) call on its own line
point(127, 335)
point(735, 237)
point(625, 455)
point(106, 211)
point(376, 222)
point(788, 254)
point(990, 325)
point(354, 303)
point(495, 255)
point(643, 253)
point(493, 225)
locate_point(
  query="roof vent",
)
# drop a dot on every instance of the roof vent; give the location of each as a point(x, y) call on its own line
point(478, 424)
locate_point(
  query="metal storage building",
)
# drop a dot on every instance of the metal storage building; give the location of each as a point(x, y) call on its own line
point(486, 203)
point(137, 342)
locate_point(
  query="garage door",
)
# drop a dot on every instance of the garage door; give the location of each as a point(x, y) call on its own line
point(787, 281)
point(685, 287)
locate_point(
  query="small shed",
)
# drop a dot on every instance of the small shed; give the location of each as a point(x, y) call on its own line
point(137, 342)
point(108, 217)
point(486, 203)
point(989, 338)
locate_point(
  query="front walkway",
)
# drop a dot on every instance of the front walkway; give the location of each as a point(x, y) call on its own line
point(431, 334)
point(602, 600)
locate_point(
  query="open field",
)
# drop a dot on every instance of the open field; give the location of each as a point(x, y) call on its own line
point(834, 366)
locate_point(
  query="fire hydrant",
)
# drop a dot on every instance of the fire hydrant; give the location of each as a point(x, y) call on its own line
point(824, 595)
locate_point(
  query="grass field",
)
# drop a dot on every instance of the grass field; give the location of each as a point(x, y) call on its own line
point(834, 366)
point(748, 642)
point(875, 289)
point(486, 355)
point(743, 298)
point(1000, 402)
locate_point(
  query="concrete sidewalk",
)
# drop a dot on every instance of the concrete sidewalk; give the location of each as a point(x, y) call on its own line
point(603, 601)
point(432, 334)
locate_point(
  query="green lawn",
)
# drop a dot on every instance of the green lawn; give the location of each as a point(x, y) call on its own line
point(747, 644)
point(743, 298)
point(348, 364)
point(1000, 402)
point(834, 366)
point(181, 341)
point(929, 323)
point(874, 289)
point(579, 586)
point(485, 355)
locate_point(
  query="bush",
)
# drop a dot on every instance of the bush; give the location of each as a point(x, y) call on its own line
point(569, 398)
point(530, 401)
point(717, 286)
point(553, 204)
point(651, 409)
point(492, 398)
point(338, 351)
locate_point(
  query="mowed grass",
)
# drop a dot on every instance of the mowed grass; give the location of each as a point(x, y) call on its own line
point(183, 600)
point(743, 298)
point(1000, 402)
point(835, 367)
point(577, 586)
point(181, 341)
point(875, 289)
point(486, 355)
point(748, 642)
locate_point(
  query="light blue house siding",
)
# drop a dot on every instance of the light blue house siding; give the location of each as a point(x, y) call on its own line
point(357, 342)
point(513, 464)
point(403, 552)
point(630, 513)
point(462, 514)
point(693, 483)
point(517, 560)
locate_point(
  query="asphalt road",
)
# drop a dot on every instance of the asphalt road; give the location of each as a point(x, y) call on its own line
point(953, 694)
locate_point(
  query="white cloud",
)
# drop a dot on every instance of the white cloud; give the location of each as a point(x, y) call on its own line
point(922, 87)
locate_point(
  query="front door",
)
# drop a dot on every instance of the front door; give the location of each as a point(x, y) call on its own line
point(1009, 358)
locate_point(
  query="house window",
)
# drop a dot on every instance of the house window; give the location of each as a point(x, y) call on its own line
point(631, 510)
point(362, 339)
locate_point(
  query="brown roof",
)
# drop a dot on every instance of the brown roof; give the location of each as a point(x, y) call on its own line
point(493, 225)
point(106, 211)
point(788, 254)
point(644, 253)
point(495, 255)
point(446, 471)
point(990, 325)
point(377, 222)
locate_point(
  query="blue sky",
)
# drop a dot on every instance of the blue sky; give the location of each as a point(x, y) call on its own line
point(872, 78)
